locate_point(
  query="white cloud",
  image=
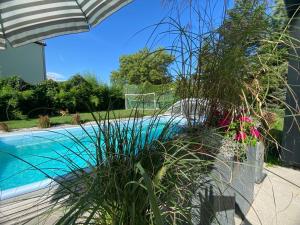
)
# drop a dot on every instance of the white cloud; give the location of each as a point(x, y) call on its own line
point(55, 76)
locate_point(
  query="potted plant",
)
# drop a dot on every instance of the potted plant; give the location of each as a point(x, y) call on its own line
point(245, 131)
point(249, 158)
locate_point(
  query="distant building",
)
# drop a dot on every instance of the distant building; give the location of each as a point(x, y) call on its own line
point(27, 61)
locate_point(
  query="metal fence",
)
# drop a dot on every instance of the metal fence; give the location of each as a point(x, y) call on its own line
point(149, 96)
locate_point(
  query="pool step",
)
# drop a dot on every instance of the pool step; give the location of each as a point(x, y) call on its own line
point(33, 208)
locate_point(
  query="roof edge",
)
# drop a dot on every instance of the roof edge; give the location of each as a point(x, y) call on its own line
point(42, 43)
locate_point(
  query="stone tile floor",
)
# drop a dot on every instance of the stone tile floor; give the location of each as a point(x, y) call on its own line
point(277, 198)
point(277, 202)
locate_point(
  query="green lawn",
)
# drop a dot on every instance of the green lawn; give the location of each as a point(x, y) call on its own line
point(85, 117)
point(273, 156)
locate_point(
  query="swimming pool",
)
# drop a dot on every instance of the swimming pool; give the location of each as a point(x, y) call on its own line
point(29, 160)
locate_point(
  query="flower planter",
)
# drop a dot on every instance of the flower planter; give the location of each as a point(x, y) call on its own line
point(256, 156)
point(228, 189)
point(243, 185)
point(214, 200)
point(245, 175)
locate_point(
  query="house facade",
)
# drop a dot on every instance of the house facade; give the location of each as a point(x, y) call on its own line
point(27, 62)
point(291, 132)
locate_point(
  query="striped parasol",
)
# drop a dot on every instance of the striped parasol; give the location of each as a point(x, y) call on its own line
point(27, 21)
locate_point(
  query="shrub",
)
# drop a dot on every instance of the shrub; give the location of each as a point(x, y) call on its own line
point(44, 121)
point(76, 119)
point(269, 118)
point(16, 83)
point(79, 89)
point(4, 127)
point(9, 103)
point(43, 101)
point(78, 94)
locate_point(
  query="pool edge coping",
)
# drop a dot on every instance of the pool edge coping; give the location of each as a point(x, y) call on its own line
point(24, 131)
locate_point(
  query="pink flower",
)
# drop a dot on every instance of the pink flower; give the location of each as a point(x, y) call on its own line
point(245, 119)
point(254, 132)
point(240, 136)
point(224, 122)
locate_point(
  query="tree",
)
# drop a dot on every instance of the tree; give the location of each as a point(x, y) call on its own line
point(76, 93)
point(274, 57)
point(250, 53)
point(143, 66)
point(231, 53)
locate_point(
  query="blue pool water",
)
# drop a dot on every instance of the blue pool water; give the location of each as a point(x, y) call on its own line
point(47, 151)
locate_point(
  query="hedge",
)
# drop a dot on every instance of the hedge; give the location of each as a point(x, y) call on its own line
point(19, 99)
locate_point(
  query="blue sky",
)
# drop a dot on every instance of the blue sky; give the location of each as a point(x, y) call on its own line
point(98, 51)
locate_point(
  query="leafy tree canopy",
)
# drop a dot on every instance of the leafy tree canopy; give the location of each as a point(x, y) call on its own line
point(228, 55)
point(143, 66)
point(273, 58)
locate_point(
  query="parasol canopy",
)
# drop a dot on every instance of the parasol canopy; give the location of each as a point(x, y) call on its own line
point(27, 21)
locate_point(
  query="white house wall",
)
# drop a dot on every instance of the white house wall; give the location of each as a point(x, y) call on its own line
point(27, 61)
